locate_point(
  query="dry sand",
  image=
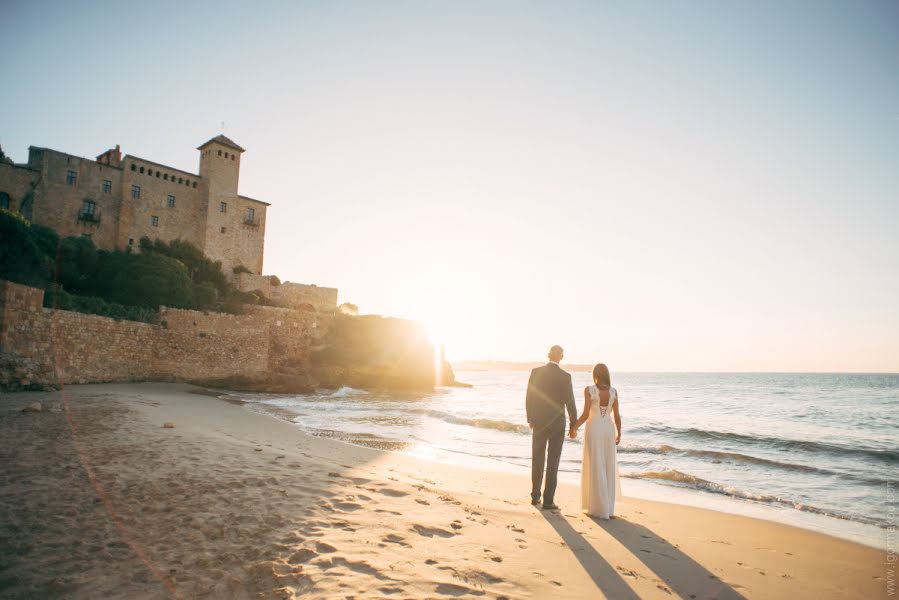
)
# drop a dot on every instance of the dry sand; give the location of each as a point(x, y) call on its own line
point(99, 500)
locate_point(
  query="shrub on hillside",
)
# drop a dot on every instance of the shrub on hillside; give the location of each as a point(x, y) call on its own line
point(145, 279)
point(62, 300)
point(199, 267)
point(26, 250)
point(77, 260)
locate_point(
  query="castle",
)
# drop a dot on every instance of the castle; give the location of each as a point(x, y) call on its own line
point(115, 200)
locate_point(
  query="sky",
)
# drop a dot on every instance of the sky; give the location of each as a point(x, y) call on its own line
point(660, 186)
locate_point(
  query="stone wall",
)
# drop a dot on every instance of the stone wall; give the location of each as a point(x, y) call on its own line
point(274, 348)
point(292, 334)
point(71, 347)
point(289, 295)
point(59, 201)
point(185, 220)
point(18, 183)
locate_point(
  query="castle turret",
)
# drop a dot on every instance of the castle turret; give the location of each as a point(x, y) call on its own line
point(220, 166)
point(235, 225)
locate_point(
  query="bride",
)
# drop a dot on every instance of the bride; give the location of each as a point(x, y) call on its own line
point(600, 484)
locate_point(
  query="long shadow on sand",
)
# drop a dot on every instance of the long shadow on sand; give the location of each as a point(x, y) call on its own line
point(600, 571)
point(686, 577)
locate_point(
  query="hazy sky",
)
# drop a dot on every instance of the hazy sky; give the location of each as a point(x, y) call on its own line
point(657, 185)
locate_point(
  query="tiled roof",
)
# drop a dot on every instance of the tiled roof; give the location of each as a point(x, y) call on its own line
point(223, 141)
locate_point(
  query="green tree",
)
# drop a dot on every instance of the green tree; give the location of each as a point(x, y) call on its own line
point(146, 279)
point(76, 263)
point(26, 250)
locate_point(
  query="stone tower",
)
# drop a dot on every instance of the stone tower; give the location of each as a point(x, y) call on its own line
point(234, 223)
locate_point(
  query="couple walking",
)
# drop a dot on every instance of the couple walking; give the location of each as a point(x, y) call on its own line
point(549, 395)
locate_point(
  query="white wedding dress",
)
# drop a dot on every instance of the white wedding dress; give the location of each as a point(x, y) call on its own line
point(600, 484)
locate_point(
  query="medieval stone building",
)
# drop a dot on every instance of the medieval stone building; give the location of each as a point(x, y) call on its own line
point(117, 200)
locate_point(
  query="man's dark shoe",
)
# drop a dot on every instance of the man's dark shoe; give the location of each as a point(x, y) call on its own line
point(550, 507)
point(535, 501)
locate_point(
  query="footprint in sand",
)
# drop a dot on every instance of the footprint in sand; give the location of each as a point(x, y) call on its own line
point(626, 572)
point(302, 556)
point(396, 539)
point(457, 524)
point(392, 493)
point(324, 548)
point(387, 591)
point(425, 502)
point(494, 558)
point(430, 561)
point(432, 531)
point(347, 506)
point(451, 589)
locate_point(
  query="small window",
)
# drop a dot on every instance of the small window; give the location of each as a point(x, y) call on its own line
point(4, 200)
point(180, 180)
point(250, 216)
point(223, 207)
point(135, 192)
point(166, 176)
point(232, 157)
point(141, 169)
point(133, 167)
point(71, 176)
point(154, 221)
point(158, 173)
point(107, 186)
point(220, 152)
point(170, 201)
point(130, 241)
point(226, 155)
point(223, 230)
point(195, 184)
point(88, 208)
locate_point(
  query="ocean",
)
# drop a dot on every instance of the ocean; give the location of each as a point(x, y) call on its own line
point(818, 451)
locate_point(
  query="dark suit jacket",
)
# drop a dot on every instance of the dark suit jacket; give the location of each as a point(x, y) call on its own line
point(549, 394)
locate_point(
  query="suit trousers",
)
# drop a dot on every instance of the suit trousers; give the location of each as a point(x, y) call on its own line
point(546, 446)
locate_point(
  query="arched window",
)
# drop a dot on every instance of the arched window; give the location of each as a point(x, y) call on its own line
point(4, 200)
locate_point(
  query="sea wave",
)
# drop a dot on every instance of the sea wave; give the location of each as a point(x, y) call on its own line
point(495, 424)
point(692, 481)
point(346, 391)
point(715, 455)
point(788, 444)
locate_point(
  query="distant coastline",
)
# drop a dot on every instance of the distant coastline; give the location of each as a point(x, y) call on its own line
point(499, 365)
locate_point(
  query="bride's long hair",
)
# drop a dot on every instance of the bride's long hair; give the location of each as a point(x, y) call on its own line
point(601, 376)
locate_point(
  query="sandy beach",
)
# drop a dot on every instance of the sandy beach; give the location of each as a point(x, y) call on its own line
point(99, 499)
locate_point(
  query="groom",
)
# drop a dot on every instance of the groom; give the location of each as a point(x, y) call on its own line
point(549, 394)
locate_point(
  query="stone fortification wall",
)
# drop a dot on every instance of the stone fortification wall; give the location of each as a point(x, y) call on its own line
point(69, 347)
point(289, 295)
point(269, 348)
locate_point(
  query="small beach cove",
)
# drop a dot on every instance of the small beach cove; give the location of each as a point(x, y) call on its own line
point(103, 501)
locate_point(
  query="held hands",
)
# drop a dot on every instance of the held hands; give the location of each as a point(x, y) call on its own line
point(572, 433)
